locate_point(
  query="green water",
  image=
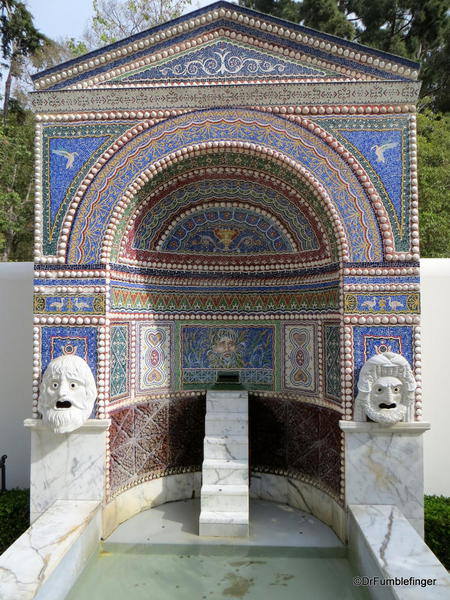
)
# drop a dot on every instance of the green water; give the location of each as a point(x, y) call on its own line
point(166, 572)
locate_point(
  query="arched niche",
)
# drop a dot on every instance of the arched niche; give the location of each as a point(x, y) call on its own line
point(302, 147)
point(172, 302)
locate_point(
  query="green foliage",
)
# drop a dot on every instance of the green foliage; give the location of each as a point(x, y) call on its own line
point(326, 16)
point(117, 19)
point(77, 47)
point(437, 527)
point(14, 516)
point(19, 39)
point(16, 185)
point(18, 34)
point(434, 183)
point(416, 29)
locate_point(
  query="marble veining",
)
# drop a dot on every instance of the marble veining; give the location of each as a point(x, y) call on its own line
point(67, 466)
point(399, 552)
point(385, 466)
point(26, 565)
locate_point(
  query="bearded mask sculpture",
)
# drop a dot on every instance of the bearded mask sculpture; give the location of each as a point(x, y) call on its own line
point(67, 393)
point(385, 389)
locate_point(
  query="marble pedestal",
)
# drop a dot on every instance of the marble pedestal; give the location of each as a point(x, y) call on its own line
point(384, 465)
point(67, 466)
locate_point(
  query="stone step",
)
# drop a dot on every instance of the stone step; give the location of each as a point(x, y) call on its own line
point(228, 498)
point(236, 402)
point(234, 447)
point(226, 424)
point(223, 472)
point(230, 524)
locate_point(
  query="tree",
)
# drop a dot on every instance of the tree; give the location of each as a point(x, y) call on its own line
point(19, 38)
point(16, 184)
point(434, 183)
point(116, 19)
point(416, 29)
point(326, 16)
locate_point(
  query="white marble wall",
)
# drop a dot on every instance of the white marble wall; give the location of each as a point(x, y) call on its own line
point(301, 495)
point(68, 466)
point(47, 559)
point(383, 545)
point(384, 465)
point(266, 486)
point(147, 495)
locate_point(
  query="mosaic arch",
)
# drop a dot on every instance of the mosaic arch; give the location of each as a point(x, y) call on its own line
point(222, 219)
point(227, 180)
point(297, 143)
point(249, 179)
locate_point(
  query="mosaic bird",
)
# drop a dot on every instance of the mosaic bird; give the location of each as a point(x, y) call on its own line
point(370, 304)
point(394, 304)
point(70, 156)
point(380, 150)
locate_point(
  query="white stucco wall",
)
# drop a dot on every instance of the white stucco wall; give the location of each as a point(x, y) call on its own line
point(16, 370)
point(16, 360)
point(435, 298)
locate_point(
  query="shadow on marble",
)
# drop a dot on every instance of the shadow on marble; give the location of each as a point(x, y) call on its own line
point(271, 524)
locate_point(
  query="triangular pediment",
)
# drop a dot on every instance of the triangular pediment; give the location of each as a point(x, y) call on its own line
point(223, 59)
point(224, 43)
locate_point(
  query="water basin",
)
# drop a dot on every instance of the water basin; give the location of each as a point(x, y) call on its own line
point(204, 572)
point(158, 554)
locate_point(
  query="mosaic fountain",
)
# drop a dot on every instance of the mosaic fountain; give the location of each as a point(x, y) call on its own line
point(227, 192)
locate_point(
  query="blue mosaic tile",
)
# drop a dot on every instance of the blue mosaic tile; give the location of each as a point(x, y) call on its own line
point(67, 155)
point(380, 280)
point(369, 341)
point(246, 125)
point(69, 282)
point(221, 60)
point(81, 341)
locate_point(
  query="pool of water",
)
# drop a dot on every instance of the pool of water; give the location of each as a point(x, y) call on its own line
point(205, 572)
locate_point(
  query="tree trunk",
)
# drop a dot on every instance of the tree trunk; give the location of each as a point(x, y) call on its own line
point(9, 240)
point(7, 93)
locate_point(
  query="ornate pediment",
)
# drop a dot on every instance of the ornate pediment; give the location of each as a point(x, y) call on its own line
point(225, 43)
point(223, 60)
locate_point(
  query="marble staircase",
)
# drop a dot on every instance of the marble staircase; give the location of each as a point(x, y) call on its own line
point(225, 481)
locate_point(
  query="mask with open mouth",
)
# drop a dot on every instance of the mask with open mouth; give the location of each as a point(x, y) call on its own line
point(67, 393)
point(386, 388)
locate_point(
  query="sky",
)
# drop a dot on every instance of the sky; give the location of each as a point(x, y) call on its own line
point(60, 19)
point(64, 19)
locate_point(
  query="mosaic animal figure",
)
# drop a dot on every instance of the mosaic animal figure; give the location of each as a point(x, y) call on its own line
point(57, 304)
point(370, 304)
point(380, 150)
point(79, 304)
point(394, 304)
point(69, 156)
